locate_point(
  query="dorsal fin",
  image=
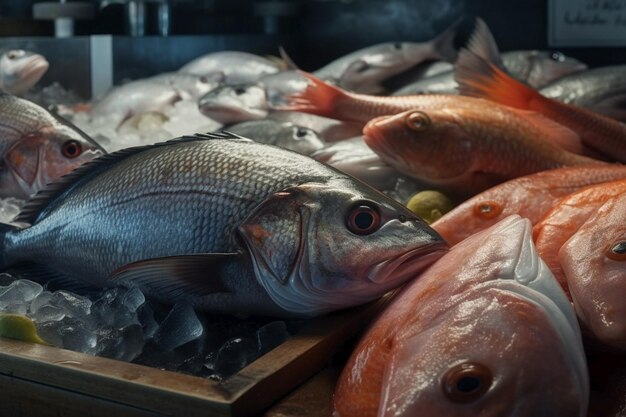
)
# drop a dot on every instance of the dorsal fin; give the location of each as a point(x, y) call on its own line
point(36, 206)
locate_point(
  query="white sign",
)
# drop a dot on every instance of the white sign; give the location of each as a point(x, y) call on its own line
point(587, 22)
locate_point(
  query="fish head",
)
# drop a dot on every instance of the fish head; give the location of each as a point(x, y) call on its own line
point(319, 247)
point(594, 262)
point(547, 66)
point(298, 138)
point(377, 64)
point(430, 146)
point(234, 103)
point(21, 70)
point(484, 316)
point(41, 157)
point(196, 86)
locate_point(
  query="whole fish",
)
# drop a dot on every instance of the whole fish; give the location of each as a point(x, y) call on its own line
point(535, 68)
point(593, 261)
point(286, 135)
point(226, 224)
point(531, 197)
point(234, 67)
point(190, 86)
point(465, 150)
point(599, 89)
point(478, 75)
point(37, 147)
point(330, 130)
point(363, 70)
point(466, 337)
point(566, 217)
point(135, 97)
point(20, 70)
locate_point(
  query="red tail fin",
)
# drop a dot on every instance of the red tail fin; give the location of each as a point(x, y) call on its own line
point(318, 98)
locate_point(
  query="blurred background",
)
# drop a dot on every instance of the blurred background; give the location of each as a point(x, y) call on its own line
point(152, 36)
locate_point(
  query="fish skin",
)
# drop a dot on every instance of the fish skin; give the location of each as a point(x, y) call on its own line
point(531, 197)
point(363, 70)
point(20, 70)
point(596, 281)
point(566, 217)
point(248, 201)
point(466, 150)
point(535, 68)
point(286, 135)
point(479, 76)
point(189, 86)
point(31, 147)
point(490, 300)
point(235, 67)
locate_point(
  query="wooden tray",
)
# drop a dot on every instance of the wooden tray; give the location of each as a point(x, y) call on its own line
point(42, 381)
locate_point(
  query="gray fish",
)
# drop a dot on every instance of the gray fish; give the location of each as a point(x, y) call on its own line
point(37, 147)
point(362, 71)
point(228, 104)
point(286, 135)
point(600, 89)
point(535, 68)
point(190, 86)
point(231, 226)
point(20, 70)
point(235, 67)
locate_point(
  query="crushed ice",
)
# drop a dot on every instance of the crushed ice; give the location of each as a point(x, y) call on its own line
point(120, 323)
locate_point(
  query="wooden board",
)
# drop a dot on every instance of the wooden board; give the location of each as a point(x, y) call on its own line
point(47, 381)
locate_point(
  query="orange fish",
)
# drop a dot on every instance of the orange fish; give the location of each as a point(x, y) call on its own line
point(566, 217)
point(531, 197)
point(465, 150)
point(467, 338)
point(479, 76)
point(594, 263)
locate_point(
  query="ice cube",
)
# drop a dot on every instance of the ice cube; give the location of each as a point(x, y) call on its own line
point(49, 331)
point(9, 208)
point(20, 291)
point(133, 299)
point(271, 335)
point(45, 298)
point(179, 327)
point(15, 308)
point(145, 314)
point(124, 344)
point(234, 355)
point(73, 304)
point(47, 312)
point(76, 336)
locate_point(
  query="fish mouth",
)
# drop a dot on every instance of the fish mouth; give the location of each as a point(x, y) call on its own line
point(406, 265)
point(34, 69)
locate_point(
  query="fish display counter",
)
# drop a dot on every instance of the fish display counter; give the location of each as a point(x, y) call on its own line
point(223, 221)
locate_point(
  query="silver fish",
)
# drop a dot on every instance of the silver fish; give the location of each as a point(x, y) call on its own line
point(235, 67)
point(20, 70)
point(231, 226)
point(37, 147)
point(287, 135)
point(535, 68)
point(228, 104)
point(600, 89)
point(362, 71)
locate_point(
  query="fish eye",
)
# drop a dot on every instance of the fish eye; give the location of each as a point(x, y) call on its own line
point(557, 56)
point(487, 209)
point(417, 120)
point(204, 80)
point(240, 90)
point(397, 46)
point(71, 149)
point(12, 55)
point(364, 66)
point(467, 382)
point(363, 220)
point(301, 132)
point(617, 251)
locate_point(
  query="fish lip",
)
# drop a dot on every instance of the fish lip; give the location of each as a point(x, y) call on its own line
point(407, 264)
point(35, 68)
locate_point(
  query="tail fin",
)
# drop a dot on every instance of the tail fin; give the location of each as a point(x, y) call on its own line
point(480, 73)
point(443, 44)
point(5, 229)
point(318, 98)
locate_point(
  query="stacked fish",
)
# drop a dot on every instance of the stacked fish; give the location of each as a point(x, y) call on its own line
point(233, 226)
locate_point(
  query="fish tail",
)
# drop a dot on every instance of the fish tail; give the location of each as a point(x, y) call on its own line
point(443, 45)
point(318, 98)
point(6, 229)
point(480, 73)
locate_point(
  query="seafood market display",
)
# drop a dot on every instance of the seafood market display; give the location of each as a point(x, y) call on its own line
point(241, 196)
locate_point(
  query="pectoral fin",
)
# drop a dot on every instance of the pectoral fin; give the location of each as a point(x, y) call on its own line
point(195, 274)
